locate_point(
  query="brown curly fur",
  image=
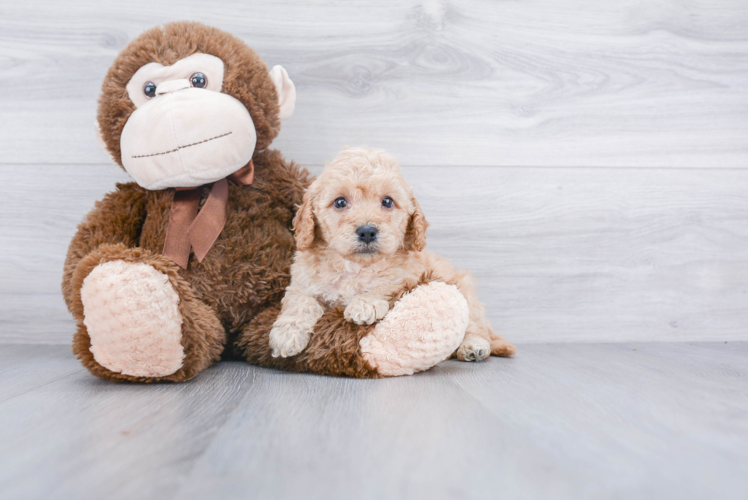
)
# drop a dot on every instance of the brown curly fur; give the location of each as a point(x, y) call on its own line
point(230, 300)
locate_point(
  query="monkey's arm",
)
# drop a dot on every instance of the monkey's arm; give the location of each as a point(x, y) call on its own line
point(116, 219)
point(425, 325)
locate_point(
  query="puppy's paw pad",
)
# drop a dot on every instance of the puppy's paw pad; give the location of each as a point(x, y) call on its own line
point(474, 350)
point(288, 340)
point(364, 311)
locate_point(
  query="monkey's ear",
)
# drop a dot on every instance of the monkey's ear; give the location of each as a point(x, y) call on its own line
point(303, 223)
point(286, 91)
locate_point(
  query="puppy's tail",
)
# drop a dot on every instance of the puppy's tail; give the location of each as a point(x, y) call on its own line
point(500, 347)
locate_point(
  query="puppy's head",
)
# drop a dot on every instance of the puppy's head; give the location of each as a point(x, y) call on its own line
point(361, 207)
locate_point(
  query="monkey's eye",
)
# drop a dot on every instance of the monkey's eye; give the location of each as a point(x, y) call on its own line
point(199, 81)
point(149, 89)
point(340, 203)
point(388, 202)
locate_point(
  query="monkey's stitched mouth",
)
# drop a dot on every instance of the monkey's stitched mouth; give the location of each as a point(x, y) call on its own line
point(182, 147)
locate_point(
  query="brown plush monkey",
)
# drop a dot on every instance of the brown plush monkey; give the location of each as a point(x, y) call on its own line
point(190, 261)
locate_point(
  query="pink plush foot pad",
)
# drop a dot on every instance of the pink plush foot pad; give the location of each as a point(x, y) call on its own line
point(132, 317)
point(422, 329)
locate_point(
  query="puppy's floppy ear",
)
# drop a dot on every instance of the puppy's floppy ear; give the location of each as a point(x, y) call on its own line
point(303, 223)
point(415, 236)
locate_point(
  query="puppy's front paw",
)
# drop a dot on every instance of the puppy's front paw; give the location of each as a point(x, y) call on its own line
point(288, 340)
point(365, 311)
point(474, 349)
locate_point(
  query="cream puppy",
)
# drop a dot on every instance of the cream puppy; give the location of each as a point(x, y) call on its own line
point(360, 238)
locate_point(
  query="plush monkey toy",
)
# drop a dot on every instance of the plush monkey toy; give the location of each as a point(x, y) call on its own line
point(189, 263)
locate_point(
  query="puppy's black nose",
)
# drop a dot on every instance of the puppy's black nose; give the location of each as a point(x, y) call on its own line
point(367, 234)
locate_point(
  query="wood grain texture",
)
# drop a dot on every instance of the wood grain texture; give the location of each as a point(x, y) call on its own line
point(96, 438)
point(478, 82)
point(586, 160)
point(560, 255)
point(576, 421)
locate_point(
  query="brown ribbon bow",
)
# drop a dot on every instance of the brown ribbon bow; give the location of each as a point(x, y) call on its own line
point(189, 229)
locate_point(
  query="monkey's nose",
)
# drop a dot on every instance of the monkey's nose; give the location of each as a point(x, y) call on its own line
point(366, 234)
point(172, 86)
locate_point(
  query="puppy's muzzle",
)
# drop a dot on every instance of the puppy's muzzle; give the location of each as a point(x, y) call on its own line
point(367, 234)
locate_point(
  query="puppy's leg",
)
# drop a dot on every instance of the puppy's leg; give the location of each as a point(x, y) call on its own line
point(290, 333)
point(477, 348)
point(474, 347)
point(480, 340)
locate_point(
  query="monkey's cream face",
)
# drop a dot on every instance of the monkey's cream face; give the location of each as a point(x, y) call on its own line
point(185, 132)
point(363, 216)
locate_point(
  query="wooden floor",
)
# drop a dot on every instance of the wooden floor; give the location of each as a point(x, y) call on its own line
point(634, 421)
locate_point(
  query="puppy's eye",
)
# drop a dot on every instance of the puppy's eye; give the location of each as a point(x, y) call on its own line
point(340, 203)
point(388, 202)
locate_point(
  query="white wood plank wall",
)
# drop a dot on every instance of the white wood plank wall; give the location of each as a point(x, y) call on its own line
point(587, 159)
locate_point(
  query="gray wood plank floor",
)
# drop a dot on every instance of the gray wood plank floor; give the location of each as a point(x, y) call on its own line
point(599, 421)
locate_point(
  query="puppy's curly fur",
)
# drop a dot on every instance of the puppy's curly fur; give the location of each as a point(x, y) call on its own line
point(360, 237)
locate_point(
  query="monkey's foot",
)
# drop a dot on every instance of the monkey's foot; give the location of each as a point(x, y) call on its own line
point(422, 329)
point(132, 317)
